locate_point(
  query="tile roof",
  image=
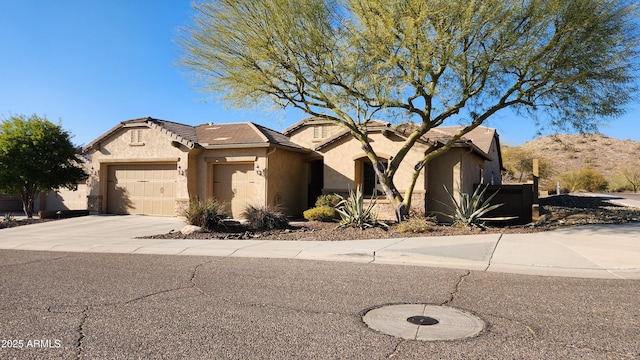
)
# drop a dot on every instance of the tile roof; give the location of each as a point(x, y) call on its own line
point(482, 136)
point(186, 132)
point(209, 135)
point(179, 132)
point(230, 134)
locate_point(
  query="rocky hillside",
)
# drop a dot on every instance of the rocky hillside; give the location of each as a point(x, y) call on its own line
point(565, 153)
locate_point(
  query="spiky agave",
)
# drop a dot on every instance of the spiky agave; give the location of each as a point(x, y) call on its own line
point(469, 211)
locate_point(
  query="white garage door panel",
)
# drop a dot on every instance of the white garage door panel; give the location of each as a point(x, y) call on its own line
point(142, 189)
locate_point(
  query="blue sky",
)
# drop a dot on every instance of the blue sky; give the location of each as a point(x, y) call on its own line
point(93, 63)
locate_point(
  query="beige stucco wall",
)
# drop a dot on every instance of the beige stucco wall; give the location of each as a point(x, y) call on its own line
point(492, 174)
point(339, 161)
point(304, 136)
point(286, 173)
point(65, 199)
point(456, 169)
point(340, 168)
point(154, 147)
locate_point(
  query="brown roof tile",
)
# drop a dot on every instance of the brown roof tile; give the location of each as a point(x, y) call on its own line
point(227, 134)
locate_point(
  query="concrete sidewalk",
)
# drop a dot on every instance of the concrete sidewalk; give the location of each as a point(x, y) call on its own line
point(603, 251)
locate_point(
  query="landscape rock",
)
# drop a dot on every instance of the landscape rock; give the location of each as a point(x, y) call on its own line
point(191, 229)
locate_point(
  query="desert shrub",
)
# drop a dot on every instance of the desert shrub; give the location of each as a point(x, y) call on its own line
point(584, 179)
point(353, 213)
point(416, 224)
point(207, 214)
point(8, 217)
point(330, 200)
point(619, 184)
point(265, 217)
point(320, 213)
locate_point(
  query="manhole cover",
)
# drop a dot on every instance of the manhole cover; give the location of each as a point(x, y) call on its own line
point(423, 322)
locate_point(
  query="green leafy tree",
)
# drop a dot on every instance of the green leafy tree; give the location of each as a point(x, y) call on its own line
point(427, 61)
point(519, 163)
point(36, 156)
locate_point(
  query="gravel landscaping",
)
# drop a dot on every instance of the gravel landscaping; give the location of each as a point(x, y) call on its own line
point(559, 211)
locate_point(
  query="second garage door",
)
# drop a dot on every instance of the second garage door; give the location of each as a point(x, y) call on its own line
point(148, 189)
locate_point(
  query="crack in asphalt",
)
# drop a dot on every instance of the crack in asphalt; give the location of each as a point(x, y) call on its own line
point(456, 291)
point(530, 329)
point(84, 312)
point(396, 349)
point(81, 334)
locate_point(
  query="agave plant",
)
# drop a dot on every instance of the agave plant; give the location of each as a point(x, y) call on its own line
point(470, 210)
point(353, 212)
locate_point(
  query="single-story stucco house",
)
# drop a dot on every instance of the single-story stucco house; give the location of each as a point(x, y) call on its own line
point(154, 167)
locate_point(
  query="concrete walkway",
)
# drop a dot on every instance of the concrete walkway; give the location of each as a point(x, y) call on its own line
point(603, 251)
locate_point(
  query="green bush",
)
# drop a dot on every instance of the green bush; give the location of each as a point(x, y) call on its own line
point(353, 213)
point(320, 213)
point(330, 200)
point(584, 179)
point(416, 224)
point(267, 217)
point(207, 214)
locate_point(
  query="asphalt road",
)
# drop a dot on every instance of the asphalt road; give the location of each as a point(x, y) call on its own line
point(119, 306)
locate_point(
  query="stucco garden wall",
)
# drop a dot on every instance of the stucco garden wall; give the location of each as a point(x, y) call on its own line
point(286, 173)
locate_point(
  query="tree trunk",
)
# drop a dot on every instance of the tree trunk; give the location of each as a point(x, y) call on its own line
point(393, 195)
point(27, 203)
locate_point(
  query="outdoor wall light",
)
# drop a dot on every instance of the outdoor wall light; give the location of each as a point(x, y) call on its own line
point(180, 171)
point(258, 171)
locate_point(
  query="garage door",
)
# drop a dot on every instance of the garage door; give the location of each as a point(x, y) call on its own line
point(142, 189)
point(234, 185)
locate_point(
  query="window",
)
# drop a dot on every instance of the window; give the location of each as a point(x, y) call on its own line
point(136, 137)
point(320, 131)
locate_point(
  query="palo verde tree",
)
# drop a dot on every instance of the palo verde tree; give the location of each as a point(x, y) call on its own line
point(36, 156)
point(568, 63)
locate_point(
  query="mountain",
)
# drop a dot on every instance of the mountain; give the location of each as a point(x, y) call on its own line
point(567, 152)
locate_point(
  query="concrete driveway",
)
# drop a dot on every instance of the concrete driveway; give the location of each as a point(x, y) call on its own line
point(611, 251)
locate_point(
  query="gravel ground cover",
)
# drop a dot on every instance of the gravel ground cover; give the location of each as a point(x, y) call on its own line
point(559, 211)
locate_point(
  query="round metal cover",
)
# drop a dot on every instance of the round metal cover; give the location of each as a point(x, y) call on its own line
point(452, 323)
point(422, 320)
